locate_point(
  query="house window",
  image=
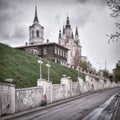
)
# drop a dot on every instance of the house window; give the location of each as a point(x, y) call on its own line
point(45, 51)
point(37, 33)
point(55, 50)
point(40, 52)
point(58, 51)
point(63, 53)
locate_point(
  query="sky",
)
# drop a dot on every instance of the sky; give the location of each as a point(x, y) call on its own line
point(92, 17)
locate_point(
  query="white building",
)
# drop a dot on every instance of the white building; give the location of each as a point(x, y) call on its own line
point(36, 31)
point(69, 40)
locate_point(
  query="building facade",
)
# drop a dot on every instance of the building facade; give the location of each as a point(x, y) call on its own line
point(36, 31)
point(52, 51)
point(69, 40)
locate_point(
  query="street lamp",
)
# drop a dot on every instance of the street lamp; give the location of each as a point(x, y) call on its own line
point(48, 65)
point(81, 71)
point(78, 71)
point(40, 62)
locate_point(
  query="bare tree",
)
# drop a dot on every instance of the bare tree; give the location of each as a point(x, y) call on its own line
point(77, 58)
point(114, 5)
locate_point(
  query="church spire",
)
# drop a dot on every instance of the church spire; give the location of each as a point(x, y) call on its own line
point(63, 30)
point(68, 23)
point(76, 32)
point(60, 33)
point(36, 18)
point(72, 35)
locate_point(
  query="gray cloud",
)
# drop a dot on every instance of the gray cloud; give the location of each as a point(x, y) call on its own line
point(18, 37)
point(58, 19)
point(68, 2)
point(3, 5)
point(19, 33)
point(8, 11)
point(97, 2)
point(8, 14)
point(81, 18)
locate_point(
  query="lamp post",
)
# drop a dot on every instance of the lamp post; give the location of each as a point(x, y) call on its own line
point(78, 71)
point(100, 69)
point(81, 71)
point(48, 65)
point(40, 62)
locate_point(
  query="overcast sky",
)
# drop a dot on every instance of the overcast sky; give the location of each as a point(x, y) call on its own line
point(91, 16)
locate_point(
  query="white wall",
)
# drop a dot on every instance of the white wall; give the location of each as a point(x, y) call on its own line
point(47, 88)
point(15, 100)
point(58, 92)
point(27, 98)
point(7, 98)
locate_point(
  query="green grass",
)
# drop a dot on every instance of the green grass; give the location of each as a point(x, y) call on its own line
point(96, 78)
point(23, 68)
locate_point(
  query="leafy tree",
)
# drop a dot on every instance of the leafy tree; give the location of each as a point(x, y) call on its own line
point(117, 72)
point(114, 5)
point(81, 63)
point(77, 58)
point(105, 73)
point(111, 77)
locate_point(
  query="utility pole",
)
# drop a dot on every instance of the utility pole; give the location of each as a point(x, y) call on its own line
point(48, 65)
point(105, 65)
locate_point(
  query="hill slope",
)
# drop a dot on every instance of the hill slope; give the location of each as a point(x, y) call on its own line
point(23, 68)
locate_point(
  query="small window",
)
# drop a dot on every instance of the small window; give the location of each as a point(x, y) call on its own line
point(37, 33)
point(40, 52)
point(32, 33)
point(45, 50)
point(56, 50)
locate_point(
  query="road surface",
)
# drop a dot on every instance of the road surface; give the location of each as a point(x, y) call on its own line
point(89, 107)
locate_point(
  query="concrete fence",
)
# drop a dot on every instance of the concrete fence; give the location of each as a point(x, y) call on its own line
point(7, 99)
point(27, 98)
point(15, 100)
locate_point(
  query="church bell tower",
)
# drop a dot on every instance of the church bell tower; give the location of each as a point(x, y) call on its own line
point(36, 31)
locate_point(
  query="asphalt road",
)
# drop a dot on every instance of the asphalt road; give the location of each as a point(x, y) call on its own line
point(86, 108)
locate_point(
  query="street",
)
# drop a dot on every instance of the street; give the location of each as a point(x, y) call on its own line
point(86, 108)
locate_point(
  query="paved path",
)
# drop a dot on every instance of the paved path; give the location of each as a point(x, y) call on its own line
point(86, 108)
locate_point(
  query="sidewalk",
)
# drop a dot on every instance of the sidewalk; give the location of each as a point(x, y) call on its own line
point(7, 117)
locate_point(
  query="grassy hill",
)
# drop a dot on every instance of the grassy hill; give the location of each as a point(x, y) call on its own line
point(23, 68)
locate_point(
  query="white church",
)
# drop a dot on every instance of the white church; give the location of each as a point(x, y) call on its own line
point(69, 40)
point(62, 52)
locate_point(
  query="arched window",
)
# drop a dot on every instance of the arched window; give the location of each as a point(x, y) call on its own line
point(32, 34)
point(37, 33)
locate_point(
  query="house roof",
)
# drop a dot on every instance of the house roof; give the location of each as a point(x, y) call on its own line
point(41, 45)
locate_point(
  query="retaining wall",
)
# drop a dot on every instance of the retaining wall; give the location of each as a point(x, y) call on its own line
point(27, 98)
point(15, 100)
